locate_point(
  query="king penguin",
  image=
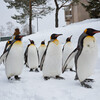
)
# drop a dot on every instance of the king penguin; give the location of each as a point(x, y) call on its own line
point(41, 50)
point(14, 58)
point(67, 49)
point(85, 56)
point(31, 56)
point(51, 63)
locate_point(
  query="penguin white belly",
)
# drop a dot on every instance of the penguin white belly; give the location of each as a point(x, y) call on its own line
point(68, 48)
point(32, 57)
point(15, 60)
point(41, 52)
point(53, 61)
point(87, 59)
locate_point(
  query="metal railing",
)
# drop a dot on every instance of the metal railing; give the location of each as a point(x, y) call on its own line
point(5, 38)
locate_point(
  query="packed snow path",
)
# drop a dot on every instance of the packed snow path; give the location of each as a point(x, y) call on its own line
point(32, 86)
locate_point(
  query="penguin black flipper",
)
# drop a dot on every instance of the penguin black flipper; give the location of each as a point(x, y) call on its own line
point(37, 54)
point(25, 54)
point(8, 42)
point(43, 57)
point(6, 52)
point(70, 57)
point(63, 48)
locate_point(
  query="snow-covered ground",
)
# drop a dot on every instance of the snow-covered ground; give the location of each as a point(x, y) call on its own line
point(32, 86)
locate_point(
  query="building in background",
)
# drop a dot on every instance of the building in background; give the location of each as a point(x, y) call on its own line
point(75, 12)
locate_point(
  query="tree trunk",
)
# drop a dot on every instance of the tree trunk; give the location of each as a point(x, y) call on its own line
point(56, 13)
point(30, 17)
point(56, 18)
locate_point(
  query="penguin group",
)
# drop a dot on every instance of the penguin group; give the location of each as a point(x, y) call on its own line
point(85, 55)
point(52, 60)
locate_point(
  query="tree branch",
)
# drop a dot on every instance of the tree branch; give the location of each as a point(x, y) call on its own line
point(63, 4)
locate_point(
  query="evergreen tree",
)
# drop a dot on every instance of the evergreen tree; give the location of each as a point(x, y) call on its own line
point(93, 8)
point(28, 9)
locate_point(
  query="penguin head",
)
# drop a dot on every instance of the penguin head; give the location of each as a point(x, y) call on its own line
point(31, 41)
point(91, 32)
point(18, 37)
point(68, 39)
point(43, 42)
point(54, 36)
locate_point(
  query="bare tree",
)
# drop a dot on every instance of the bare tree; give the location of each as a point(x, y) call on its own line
point(60, 4)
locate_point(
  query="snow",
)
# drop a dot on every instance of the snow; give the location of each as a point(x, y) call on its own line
point(32, 86)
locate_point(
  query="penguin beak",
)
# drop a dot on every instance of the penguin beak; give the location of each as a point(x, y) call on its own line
point(96, 31)
point(30, 40)
point(58, 35)
point(70, 37)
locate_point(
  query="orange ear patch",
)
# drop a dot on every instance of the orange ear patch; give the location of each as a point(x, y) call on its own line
point(18, 42)
point(43, 45)
point(56, 41)
point(85, 30)
point(32, 45)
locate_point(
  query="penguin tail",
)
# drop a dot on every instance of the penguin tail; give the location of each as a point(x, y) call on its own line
point(70, 57)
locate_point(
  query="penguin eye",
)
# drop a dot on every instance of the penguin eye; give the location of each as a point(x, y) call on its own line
point(85, 30)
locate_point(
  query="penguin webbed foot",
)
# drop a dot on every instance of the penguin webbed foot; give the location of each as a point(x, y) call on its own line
point(59, 77)
point(17, 78)
point(85, 85)
point(36, 70)
point(72, 70)
point(46, 78)
point(89, 80)
point(31, 70)
point(9, 78)
point(39, 66)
